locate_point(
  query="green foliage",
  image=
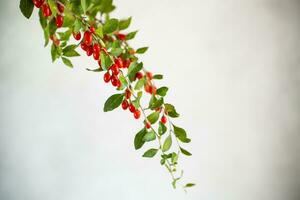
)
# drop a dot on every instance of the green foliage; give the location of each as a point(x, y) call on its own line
point(181, 134)
point(123, 24)
point(162, 91)
point(158, 76)
point(131, 35)
point(141, 50)
point(110, 26)
point(170, 109)
point(133, 69)
point(167, 144)
point(113, 102)
point(150, 153)
point(138, 139)
point(153, 117)
point(149, 136)
point(26, 7)
point(185, 152)
point(161, 128)
point(67, 62)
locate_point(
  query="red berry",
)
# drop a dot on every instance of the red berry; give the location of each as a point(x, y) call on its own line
point(121, 36)
point(88, 38)
point(132, 108)
point(84, 46)
point(38, 3)
point(60, 7)
point(119, 62)
point(96, 47)
point(153, 90)
point(127, 93)
point(89, 51)
point(137, 114)
point(77, 36)
point(106, 77)
point(139, 75)
point(115, 81)
point(147, 125)
point(163, 119)
point(59, 21)
point(114, 69)
point(92, 29)
point(149, 75)
point(148, 88)
point(126, 63)
point(46, 10)
point(96, 55)
point(125, 104)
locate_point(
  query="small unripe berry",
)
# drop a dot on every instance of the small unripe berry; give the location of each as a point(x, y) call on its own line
point(132, 108)
point(127, 93)
point(77, 36)
point(88, 38)
point(137, 114)
point(59, 21)
point(114, 69)
point(60, 7)
point(163, 119)
point(46, 10)
point(106, 77)
point(139, 75)
point(125, 104)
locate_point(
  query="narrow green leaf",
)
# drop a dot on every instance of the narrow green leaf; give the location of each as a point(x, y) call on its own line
point(26, 7)
point(113, 102)
point(171, 111)
point(123, 24)
point(69, 51)
point(189, 185)
point(150, 153)
point(110, 26)
point(106, 62)
point(133, 69)
point(158, 76)
point(161, 128)
point(149, 136)
point(155, 103)
point(141, 50)
point(174, 158)
point(131, 35)
point(53, 7)
point(185, 152)
point(83, 5)
point(67, 62)
point(153, 117)
point(162, 91)
point(99, 31)
point(138, 139)
point(77, 26)
point(116, 52)
point(167, 144)
point(99, 69)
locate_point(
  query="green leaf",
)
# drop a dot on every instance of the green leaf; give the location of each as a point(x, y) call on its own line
point(99, 31)
point(99, 69)
point(52, 26)
point(174, 158)
point(116, 52)
point(26, 7)
point(180, 134)
point(153, 117)
point(55, 52)
point(139, 84)
point(106, 62)
point(123, 24)
point(83, 5)
point(69, 51)
point(67, 62)
point(185, 152)
point(189, 185)
point(149, 136)
point(155, 103)
point(162, 91)
point(161, 128)
point(110, 26)
point(158, 76)
point(53, 7)
point(171, 111)
point(141, 50)
point(113, 102)
point(167, 144)
point(138, 139)
point(133, 69)
point(131, 35)
point(150, 153)
point(64, 36)
point(77, 26)
point(43, 20)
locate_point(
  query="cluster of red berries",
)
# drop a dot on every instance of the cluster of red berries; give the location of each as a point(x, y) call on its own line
point(46, 11)
point(128, 104)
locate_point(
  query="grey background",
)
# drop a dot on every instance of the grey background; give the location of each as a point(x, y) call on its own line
point(233, 72)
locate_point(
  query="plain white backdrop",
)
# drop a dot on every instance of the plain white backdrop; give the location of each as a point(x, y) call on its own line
point(233, 72)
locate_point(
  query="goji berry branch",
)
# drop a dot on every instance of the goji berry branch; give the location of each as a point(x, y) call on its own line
point(104, 38)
